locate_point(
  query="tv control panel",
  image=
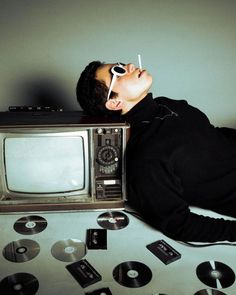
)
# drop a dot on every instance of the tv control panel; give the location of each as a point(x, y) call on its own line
point(108, 162)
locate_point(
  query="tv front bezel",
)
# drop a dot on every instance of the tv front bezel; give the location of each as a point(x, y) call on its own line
point(15, 123)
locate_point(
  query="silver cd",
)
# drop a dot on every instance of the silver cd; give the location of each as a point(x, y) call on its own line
point(30, 225)
point(69, 250)
point(113, 220)
point(21, 250)
point(209, 292)
point(215, 274)
point(19, 284)
point(132, 274)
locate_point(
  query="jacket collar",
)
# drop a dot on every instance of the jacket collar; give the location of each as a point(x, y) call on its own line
point(144, 110)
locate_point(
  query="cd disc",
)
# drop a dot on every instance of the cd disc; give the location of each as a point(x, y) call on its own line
point(215, 274)
point(69, 250)
point(19, 284)
point(132, 274)
point(21, 250)
point(209, 292)
point(30, 225)
point(113, 220)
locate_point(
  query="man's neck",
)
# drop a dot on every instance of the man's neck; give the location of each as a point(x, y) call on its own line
point(129, 104)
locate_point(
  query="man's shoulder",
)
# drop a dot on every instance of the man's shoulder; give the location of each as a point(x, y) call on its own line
point(179, 105)
point(167, 100)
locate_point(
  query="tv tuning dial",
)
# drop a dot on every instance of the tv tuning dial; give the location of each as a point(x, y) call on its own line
point(107, 155)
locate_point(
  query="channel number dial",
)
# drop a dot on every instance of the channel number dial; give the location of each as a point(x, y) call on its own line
point(108, 158)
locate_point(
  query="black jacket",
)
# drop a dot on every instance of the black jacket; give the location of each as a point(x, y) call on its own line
point(177, 159)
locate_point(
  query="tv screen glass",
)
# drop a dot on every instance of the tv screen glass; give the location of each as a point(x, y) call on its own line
point(44, 164)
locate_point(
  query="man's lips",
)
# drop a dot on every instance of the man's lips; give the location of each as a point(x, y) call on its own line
point(141, 73)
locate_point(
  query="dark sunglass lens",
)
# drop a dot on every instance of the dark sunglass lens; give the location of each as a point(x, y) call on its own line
point(119, 70)
point(121, 63)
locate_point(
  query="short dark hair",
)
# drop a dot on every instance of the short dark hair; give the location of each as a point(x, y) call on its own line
point(91, 93)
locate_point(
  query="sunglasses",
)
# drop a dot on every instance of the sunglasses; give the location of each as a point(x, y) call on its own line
point(118, 70)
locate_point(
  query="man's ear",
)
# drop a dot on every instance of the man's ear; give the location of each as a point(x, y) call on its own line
point(114, 104)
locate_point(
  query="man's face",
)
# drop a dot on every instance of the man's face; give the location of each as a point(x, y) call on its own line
point(133, 86)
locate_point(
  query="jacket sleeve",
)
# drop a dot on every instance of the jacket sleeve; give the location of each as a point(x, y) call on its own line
point(230, 133)
point(157, 193)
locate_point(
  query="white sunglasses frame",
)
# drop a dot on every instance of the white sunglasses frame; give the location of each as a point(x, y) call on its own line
point(115, 75)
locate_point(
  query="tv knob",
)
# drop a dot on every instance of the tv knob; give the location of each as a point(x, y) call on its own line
point(107, 155)
point(100, 130)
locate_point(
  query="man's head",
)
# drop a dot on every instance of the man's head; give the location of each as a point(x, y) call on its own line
point(127, 90)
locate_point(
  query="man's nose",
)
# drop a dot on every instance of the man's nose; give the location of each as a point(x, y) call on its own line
point(130, 68)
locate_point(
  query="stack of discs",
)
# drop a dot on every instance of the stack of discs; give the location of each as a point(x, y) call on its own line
point(215, 274)
point(69, 250)
point(19, 284)
point(21, 250)
point(113, 220)
point(132, 274)
point(30, 225)
point(209, 292)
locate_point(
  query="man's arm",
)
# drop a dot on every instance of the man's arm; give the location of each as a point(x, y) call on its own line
point(158, 195)
point(230, 133)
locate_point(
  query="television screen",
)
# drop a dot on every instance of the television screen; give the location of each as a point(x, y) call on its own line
point(45, 164)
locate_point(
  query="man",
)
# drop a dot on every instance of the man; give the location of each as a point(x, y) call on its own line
point(175, 157)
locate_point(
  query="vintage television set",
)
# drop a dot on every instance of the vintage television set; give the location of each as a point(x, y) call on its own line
point(52, 161)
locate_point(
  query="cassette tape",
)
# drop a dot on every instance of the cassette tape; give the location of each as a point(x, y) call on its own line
point(84, 273)
point(102, 291)
point(164, 251)
point(96, 238)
